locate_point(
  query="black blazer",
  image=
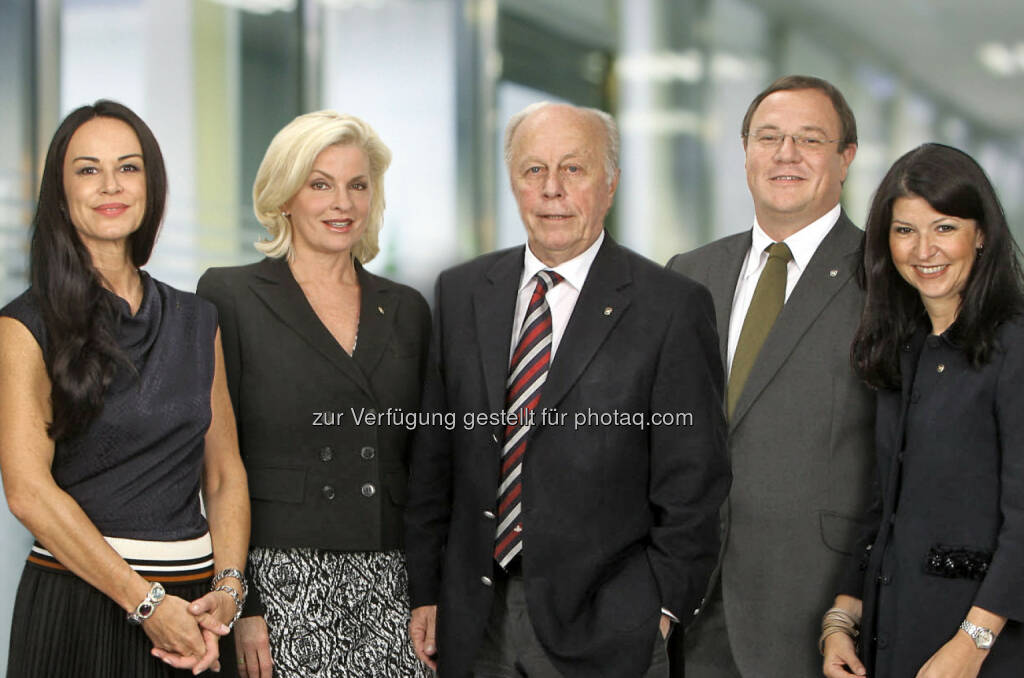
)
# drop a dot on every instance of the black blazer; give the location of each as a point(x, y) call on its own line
point(949, 514)
point(317, 476)
point(619, 520)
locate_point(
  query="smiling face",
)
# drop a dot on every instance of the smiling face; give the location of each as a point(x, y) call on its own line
point(934, 253)
point(793, 186)
point(559, 181)
point(328, 214)
point(104, 182)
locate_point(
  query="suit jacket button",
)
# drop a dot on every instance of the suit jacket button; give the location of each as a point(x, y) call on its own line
point(489, 515)
point(368, 490)
point(326, 453)
point(486, 581)
point(328, 492)
point(367, 452)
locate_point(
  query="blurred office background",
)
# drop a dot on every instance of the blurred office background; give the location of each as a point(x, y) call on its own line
point(215, 79)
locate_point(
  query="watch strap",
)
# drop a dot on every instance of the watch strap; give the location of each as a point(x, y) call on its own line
point(983, 637)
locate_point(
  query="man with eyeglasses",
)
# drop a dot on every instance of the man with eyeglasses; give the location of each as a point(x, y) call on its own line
point(800, 423)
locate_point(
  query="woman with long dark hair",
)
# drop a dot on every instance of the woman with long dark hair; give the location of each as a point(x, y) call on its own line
point(114, 413)
point(940, 589)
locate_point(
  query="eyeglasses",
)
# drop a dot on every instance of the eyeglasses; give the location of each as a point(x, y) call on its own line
point(805, 142)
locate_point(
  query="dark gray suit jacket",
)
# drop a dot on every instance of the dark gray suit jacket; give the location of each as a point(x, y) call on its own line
point(800, 443)
point(619, 520)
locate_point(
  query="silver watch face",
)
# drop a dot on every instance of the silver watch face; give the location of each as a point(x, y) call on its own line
point(983, 639)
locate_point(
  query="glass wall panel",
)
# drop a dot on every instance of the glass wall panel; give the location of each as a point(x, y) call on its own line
point(17, 187)
point(17, 129)
point(271, 77)
point(393, 65)
point(661, 73)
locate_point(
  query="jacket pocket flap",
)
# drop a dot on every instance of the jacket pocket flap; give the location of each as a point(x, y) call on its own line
point(840, 533)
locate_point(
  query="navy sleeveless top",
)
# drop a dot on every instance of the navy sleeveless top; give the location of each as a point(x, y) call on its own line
point(136, 470)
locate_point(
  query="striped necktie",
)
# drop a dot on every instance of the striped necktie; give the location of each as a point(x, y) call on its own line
point(528, 370)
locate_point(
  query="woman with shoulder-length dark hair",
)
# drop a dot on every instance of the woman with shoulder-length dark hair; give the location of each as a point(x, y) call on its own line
point(325, 364)
point(114, 414)
point(940, 589)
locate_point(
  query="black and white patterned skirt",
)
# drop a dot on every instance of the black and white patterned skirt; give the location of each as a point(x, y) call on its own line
point(334, 614)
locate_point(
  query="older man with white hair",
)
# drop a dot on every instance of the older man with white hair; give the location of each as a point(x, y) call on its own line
point(572, 515)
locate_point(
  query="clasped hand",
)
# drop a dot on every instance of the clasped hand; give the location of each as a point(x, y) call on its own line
point(958, 658)
point(186, 635)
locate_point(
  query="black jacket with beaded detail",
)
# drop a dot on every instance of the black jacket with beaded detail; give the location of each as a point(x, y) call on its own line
point(949, 532)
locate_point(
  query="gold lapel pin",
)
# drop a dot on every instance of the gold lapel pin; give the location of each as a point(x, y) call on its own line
point(833, 273)
point(607, 310)
point(380, 309)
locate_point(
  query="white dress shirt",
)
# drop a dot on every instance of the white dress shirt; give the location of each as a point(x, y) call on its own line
point(561, 298)
point(802, 244)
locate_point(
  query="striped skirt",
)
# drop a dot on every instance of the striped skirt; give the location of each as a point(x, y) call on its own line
point(64, 628)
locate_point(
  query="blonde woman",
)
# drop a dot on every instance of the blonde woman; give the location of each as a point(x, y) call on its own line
point(317, 351)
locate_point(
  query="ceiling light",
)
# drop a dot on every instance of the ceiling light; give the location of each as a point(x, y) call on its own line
point(686, 66)
point(260, 6)
point(998, 59)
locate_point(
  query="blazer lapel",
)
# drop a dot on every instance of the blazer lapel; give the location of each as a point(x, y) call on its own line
point(494, 305)
point(378, 308)
point(601, 303)
point(832, 266)
point(275, 287)
point(723, 275)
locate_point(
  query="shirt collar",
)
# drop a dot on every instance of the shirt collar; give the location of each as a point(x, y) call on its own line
point(574, 271)
point(802, 244)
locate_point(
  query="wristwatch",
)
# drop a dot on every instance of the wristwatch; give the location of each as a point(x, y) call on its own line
point(145, 609)
point(982, 637)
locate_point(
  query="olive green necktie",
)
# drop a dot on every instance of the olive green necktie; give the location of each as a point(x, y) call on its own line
point(769, 295)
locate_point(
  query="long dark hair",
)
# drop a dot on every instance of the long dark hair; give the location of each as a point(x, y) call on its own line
point(81, 320)
point(953, 184)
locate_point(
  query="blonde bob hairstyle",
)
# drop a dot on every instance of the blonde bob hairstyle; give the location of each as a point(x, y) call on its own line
point(286, 167)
